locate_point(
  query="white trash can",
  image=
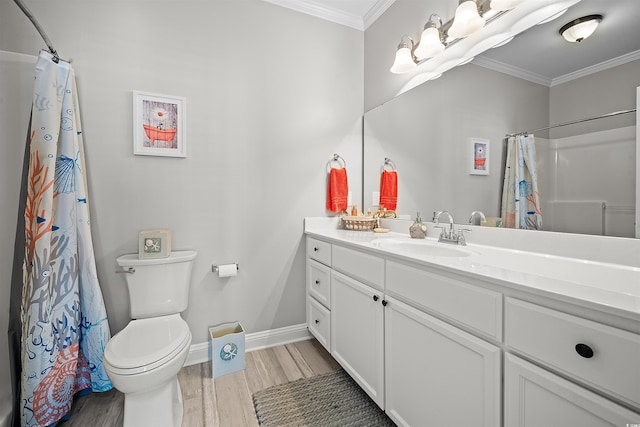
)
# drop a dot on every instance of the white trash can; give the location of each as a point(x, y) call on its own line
point(227, 348)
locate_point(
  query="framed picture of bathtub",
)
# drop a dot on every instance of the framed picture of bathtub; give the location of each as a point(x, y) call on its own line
point(479, 156)
point(159, 125)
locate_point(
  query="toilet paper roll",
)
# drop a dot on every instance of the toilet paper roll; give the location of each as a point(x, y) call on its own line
point(228, 270)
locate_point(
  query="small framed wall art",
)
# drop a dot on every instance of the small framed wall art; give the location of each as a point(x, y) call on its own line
point(479, 156)
point(159, 125)
point(154, 243)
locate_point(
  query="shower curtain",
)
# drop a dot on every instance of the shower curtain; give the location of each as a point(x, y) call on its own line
point(64, 321)
point(520, 197)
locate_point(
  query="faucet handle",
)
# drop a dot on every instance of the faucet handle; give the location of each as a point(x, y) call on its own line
point(443, 231)
point(462, 241)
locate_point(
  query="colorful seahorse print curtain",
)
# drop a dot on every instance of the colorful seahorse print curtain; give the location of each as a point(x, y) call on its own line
point(520, 197)
point(64, 321)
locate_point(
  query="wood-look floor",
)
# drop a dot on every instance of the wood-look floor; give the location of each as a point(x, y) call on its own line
point(225, 401)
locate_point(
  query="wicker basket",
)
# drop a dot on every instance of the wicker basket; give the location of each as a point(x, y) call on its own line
point(359, 223)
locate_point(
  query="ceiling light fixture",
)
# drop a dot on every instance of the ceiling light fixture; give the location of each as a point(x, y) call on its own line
point(502, 5)
point(432, 40)
point(467, 20)
point(581, 28)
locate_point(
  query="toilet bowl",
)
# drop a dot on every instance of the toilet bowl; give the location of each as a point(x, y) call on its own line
point(143, 359)
point(142, 362)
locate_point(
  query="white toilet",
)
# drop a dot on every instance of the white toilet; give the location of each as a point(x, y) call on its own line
point(144, 358)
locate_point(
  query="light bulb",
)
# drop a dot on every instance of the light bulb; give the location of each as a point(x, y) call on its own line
point(404, 61)
point(430, 43)
point(467, 20)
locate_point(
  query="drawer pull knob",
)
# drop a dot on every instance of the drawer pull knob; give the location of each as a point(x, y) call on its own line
point(317, 321)
point(384, 303)
point(376, 298)
point(584, 350)
point(316, 249)
point(317, 282)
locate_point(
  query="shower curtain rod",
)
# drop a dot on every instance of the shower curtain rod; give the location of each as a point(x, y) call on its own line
point(36, 24)
point(615, 113)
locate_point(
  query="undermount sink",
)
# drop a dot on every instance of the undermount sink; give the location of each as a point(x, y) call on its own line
point(421, 248)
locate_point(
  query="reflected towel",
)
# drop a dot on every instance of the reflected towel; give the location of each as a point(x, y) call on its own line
point(337, 190)
point(389, 190)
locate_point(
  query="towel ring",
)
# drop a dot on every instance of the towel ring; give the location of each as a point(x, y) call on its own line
point(390, 163)
point(336, 158)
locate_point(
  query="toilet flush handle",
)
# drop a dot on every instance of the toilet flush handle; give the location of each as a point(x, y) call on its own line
point(129, 270)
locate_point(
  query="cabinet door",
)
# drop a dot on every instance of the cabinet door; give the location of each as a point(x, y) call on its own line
point(535, 397)
point(357, 327)
point(436, 374)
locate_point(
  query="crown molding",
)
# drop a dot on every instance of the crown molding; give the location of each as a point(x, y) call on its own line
point(605, 65)
point(376, 12)
point(335, 15)
point(503, 68)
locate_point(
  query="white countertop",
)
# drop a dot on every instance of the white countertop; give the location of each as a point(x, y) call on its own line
point(603, 286)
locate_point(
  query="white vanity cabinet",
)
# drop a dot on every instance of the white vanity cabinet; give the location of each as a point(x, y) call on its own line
point(435, 346)
point(437, 374)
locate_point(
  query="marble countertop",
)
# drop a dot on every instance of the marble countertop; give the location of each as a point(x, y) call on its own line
point(603, 286)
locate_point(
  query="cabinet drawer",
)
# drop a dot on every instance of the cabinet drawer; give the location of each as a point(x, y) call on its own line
point(319, 250)
point(536, 397)
point(319, 322)
point(552, 338)
point(363, 267)
point(477, 308)
point(319, 280)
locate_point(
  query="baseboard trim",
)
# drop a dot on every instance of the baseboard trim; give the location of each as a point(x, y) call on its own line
point(199, 353)
point(5, 412)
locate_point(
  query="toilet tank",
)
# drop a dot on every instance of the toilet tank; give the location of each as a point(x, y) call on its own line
point(159, 286)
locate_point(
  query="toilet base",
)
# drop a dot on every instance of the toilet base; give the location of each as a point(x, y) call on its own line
point(161, 407)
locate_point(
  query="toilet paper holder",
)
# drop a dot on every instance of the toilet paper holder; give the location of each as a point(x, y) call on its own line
point(216, 268)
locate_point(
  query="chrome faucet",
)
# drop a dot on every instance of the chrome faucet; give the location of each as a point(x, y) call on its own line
point(449, 236)
point(474, 214)
point(436, 219)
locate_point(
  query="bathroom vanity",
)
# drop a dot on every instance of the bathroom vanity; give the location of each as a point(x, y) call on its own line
point(476, 335)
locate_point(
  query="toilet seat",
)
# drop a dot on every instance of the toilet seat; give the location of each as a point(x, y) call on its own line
point(146, 344)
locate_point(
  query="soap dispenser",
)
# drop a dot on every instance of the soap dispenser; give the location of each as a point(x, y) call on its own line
point(418, 230)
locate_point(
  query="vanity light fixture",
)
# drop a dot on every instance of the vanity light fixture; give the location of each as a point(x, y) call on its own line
point(467, 20)
point(503, 5)
point(432, 40)
point(581, 28)
point(404, 62)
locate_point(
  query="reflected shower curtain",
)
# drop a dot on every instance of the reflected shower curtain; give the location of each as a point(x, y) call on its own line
point(64, 321)
point(520, 197)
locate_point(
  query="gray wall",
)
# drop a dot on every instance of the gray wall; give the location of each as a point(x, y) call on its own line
point(590, 96)
point(16, 88)
point(271, 95)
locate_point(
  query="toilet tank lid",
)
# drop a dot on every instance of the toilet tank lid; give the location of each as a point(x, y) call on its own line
point(132, 260)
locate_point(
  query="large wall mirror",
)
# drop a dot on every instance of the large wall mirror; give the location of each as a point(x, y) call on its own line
point(587, 171)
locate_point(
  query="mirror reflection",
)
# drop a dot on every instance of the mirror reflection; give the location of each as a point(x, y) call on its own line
point(586, 171)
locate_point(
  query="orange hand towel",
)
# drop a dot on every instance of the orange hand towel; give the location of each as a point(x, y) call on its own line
point(389, 190)
point(337, 190)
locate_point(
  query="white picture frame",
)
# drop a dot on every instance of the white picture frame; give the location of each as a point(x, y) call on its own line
point(159, 125)
point(479, 156)
point(154, 243)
